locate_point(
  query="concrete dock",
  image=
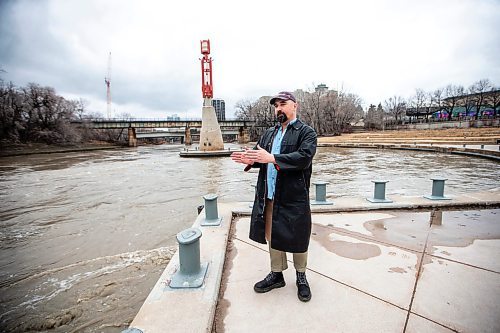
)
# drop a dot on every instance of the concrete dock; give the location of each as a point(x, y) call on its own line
point(372, 268)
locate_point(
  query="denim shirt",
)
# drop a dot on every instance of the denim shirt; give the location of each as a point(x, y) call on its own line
point(272, 173)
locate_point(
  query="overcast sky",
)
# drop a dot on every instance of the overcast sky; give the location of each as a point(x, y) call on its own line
point(375, 49)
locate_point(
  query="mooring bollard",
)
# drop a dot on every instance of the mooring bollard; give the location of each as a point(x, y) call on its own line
point(379, 192)
point(190, 273)
point(211, 215)
point(464, 145)
point(321, 194)
point(437, 189)
point(482, 146)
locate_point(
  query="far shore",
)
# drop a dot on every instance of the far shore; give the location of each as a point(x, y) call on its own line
point(39, 148)
point(466, 135)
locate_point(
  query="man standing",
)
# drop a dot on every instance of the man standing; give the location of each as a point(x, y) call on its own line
point(281, 213)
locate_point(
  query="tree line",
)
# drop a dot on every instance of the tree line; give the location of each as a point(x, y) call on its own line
point(329, 112)
point(472, 101)
point(34, 113)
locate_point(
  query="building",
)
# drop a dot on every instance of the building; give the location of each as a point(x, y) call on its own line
point(220, 108)
point(321, 88)
point(173, 117)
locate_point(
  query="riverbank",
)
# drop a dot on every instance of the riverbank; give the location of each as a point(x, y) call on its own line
point(40, 148)
point(483, 135)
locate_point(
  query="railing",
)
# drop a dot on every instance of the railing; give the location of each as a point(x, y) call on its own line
point(115, 123)
point(155, 120)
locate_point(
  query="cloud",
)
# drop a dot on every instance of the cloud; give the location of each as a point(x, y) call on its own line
point(374, 49)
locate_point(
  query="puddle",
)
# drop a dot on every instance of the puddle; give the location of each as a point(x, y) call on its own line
point(351, 250)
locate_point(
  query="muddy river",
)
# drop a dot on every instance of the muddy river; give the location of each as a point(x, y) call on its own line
point(84, 236)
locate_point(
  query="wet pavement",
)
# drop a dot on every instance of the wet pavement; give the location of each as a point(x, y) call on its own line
point(374, 272)
point(370, 270)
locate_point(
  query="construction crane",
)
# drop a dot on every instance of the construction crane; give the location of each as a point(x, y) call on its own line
point(107, 80)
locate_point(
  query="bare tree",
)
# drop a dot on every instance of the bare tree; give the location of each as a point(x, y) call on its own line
point(395, 106)
point(437, 99)
point(260, 111)
point(37, 114)
point(310, 107)
point(493, 99)
point(80, 108)
point(479, 89)
point(453, 94)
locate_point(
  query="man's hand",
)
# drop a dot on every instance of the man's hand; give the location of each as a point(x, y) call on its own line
point(259, 155)
point(240, 157)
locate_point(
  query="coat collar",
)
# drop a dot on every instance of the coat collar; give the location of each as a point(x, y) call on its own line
point(297, 124)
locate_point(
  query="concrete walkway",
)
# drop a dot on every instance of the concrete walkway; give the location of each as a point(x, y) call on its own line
point(372, 268)
point(387, 271)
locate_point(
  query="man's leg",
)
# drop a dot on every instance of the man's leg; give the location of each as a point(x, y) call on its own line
point(278, 259)
point(300, 264)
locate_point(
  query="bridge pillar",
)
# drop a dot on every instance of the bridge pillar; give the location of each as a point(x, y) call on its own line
point(187, 136)
point(132, 138)
point(243, 135)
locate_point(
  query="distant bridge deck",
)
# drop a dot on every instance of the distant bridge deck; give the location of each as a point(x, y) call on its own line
point(177, 133)
point(103, 123)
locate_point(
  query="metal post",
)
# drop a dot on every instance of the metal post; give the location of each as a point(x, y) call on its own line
point(482, 146)
point(321, 194)
point(379, 192)
point(211, 215)
point(190, 273)
point(437, 189)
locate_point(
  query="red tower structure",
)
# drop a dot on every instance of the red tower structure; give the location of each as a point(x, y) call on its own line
point(207, 88)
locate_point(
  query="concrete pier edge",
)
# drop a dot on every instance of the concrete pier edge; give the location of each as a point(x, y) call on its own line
point(194, 310)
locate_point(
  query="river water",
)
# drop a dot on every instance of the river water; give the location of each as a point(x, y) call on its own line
point(84, 236)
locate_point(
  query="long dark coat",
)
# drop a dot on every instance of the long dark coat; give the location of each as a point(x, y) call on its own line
point(291, 226)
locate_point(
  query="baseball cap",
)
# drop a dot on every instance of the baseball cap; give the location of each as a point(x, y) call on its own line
point(283, 95)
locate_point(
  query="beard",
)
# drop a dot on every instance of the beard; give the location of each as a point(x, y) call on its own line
point(281, 117)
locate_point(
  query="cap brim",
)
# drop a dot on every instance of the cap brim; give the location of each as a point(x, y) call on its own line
point(276, 98)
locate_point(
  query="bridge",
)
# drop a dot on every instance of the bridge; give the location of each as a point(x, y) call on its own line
point(176, 133)
point(230, 126)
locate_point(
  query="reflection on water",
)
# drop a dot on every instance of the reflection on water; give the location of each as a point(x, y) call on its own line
point(105, 220)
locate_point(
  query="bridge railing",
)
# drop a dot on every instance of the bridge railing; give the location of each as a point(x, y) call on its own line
point(117, 123)
point(117, 120)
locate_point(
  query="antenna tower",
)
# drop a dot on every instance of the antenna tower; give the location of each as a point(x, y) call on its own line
point(107, 80)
